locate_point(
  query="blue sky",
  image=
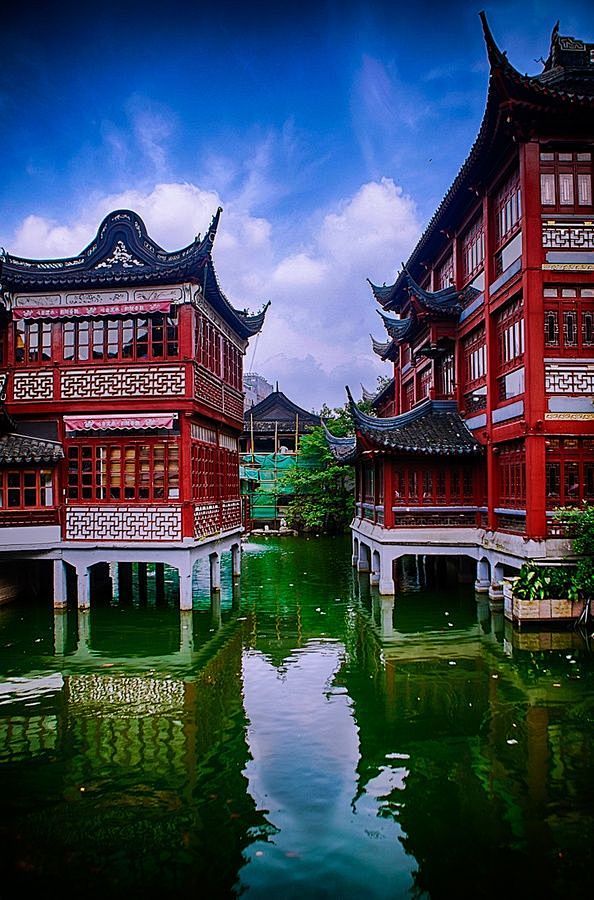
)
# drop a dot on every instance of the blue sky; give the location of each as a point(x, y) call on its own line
point(328, 132)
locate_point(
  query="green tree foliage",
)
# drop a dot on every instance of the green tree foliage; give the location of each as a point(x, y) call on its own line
point(323, 496)
point(580, 524)
point(537, 582)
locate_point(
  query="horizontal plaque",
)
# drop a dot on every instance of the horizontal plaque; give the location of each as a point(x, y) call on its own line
point(114, 423)
point(94, 303)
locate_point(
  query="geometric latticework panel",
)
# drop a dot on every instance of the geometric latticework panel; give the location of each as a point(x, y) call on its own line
point(571, 377)
point(123, 523)
point(131, 381)
point(566, 236)
point(207, 390)
point(231, 513)
point(207, 519)
point(233, 404)
point(33, 386)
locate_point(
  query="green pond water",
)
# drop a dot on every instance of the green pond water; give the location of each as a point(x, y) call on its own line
point(301, 738)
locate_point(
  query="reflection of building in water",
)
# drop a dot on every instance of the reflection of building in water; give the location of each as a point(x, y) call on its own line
point(151, 765)
point(481, 743)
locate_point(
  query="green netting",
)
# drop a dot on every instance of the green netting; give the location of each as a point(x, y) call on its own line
point(268, 470)
point(249, 474)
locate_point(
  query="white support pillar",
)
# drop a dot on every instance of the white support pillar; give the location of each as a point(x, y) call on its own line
point(185, 569)
point(375, 568)
point(60, 592)
point(215, 572)
point(236, 560)
point(355, 556)
point(483, 581)
point(496, 589)
point(364, 561)
point(386, 579)
point(83, 586)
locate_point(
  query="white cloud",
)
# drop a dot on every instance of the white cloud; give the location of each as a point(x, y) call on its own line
point(315, 339)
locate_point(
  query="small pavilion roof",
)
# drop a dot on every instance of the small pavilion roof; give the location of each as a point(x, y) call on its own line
point(122, 254)
point(276, 410)
point(16, 449)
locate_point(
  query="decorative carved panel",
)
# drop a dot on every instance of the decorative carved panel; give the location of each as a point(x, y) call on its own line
point(230, 514)
point(123, 523)
point(207, 519)
point(145, 695)
point(33, 385)
point(208, 390)
point(568, 236)
point(131, 381)
point(571, 377)
point(233, 404)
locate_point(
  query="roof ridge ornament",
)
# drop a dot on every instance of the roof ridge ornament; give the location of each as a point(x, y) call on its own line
point(120, 256)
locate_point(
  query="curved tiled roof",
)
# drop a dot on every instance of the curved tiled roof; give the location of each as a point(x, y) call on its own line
point(277, 409)
point(383, 349)
point(433, 428)
point(122, 254)
point(343, 449)
point(559, 86)
point(16, 449)
point(398, 329)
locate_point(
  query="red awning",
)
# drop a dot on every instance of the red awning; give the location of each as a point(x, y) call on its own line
point(116, 423)
point(91, 311)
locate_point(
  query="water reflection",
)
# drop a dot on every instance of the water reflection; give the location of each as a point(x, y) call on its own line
point(298, 736)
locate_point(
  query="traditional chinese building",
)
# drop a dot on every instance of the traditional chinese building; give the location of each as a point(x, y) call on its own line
point(489, 423)
point(269, 450)
point(122, 406)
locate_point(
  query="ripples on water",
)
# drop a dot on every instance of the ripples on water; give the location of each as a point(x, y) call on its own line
point(301, 738)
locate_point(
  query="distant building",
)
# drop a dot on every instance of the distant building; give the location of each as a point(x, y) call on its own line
point(256, 388)
point(269, 448)
point(121, 371)
point(488, 423)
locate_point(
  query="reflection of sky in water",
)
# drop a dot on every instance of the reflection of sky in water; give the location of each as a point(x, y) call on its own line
point(304, 745)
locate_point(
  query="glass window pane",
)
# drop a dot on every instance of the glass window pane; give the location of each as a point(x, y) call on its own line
point(566, 189)
point(547, 190)
point(584, 189)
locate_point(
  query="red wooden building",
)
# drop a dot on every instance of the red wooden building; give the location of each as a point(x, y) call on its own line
point(122, 405)
point(489, 422)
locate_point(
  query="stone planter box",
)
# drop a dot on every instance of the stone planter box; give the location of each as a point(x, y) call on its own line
point(555, 610)
point(536, 639)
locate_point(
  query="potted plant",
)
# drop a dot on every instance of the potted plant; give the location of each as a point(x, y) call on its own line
point(531, 593)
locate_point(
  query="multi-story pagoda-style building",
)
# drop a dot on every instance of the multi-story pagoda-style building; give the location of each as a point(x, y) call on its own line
point(122, 407)
point(490, 331)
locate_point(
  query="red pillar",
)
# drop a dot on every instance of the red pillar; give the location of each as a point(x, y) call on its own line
point(185, 476)
point(532, 288)
point(491, 344)
point(388, 492)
